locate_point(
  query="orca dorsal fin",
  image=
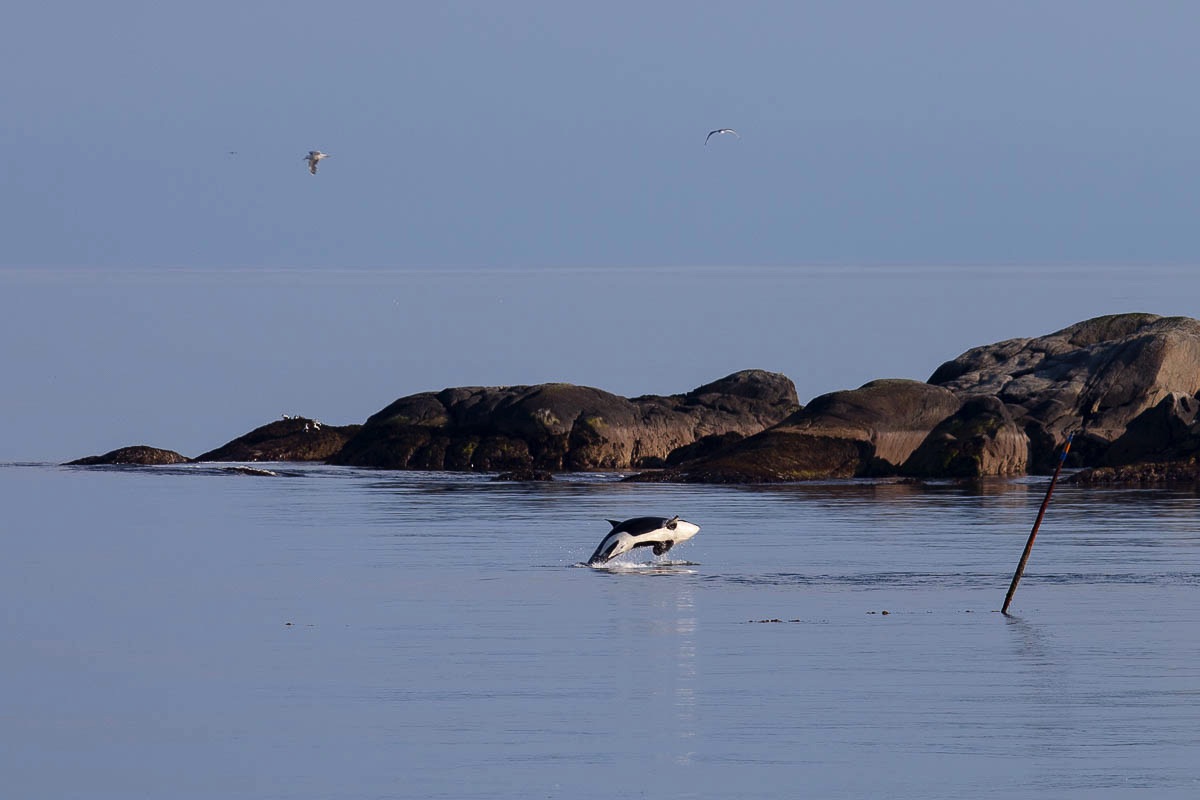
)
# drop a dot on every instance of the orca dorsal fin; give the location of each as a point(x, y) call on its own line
point(615, 523)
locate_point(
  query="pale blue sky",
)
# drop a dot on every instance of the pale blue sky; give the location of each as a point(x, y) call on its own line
point(551, 133)
point(519, 192)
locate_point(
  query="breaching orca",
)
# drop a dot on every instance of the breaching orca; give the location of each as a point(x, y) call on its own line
point(658, 532)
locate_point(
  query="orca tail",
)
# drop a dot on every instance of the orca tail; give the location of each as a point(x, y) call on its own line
point(615, 524)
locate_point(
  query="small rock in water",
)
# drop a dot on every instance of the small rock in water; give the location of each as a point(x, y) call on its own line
point(526, 474)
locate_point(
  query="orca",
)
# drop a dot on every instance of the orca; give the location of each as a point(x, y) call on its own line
point(660, 533)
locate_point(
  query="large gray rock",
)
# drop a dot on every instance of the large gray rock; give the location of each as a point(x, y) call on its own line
point(1095, 376)
point(1170, 431)
point(1126, 384)
point(561, 426)
point(871, 430)
point(979, 439)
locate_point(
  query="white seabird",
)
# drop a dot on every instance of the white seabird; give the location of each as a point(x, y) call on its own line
point(312, 158)
point(719, 131)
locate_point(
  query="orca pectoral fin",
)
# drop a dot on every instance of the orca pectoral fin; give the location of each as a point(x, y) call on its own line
point(662, 547)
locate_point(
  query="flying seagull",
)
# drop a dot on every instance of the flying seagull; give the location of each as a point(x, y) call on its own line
point(312, 158)
point(719, 131)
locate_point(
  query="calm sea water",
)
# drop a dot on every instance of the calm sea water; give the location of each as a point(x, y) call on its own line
point(190, 632)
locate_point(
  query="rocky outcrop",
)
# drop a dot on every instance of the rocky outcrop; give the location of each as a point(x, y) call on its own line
point(871, 430)
point(979, 439)
point(138, 454)
point(561, 426)
point(701, 448)
point(527, 475)
point(290, 439)
point(1170, 431)
point(1095, 377)
point(1179, 473)
point(1126, 384)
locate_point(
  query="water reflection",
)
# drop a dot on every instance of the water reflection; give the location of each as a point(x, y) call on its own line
point(686, 672)
point(1043, 674)
point(653, 633)
point(1102, 704)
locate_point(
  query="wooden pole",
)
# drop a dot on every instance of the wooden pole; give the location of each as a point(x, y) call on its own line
point(1036, 523)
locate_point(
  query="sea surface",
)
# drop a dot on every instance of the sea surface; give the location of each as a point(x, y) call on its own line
point(196, 632)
